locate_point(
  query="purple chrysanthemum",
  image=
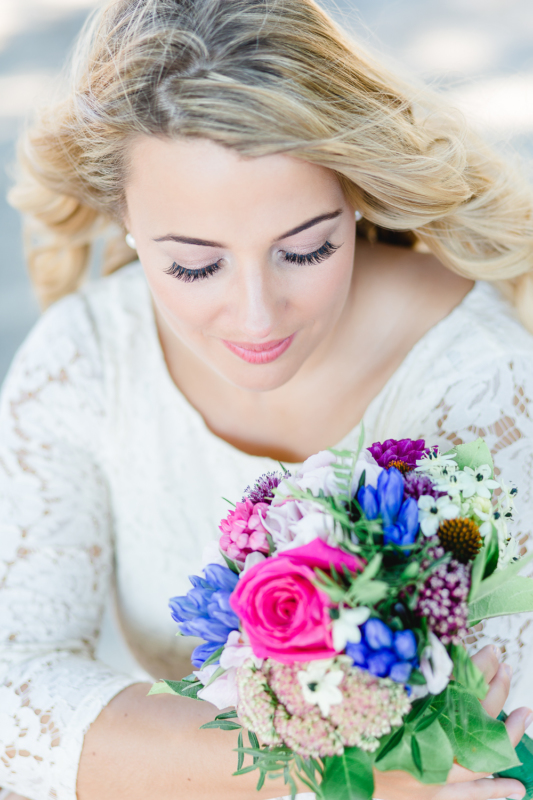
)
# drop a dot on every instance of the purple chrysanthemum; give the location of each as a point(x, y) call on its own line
point(263, 489)
point(272, 704)
point(402, 451)
point(417, 484)
point(443, 598)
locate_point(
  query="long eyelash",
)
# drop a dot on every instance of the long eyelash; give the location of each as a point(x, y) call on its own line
point(316, 257)
point(190, 275)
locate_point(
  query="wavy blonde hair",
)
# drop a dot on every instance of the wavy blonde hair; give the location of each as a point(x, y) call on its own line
point(263, 77)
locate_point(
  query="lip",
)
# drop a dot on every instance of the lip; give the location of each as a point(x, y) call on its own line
point(260, 353)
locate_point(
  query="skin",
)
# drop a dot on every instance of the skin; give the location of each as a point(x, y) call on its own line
point(354, 317)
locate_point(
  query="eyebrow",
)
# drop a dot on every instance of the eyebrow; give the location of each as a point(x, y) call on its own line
point(171, 237)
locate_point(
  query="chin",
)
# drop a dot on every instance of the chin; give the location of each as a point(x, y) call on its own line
point(260, 377)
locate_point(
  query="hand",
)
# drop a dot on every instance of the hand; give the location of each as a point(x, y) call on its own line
point(462, 784)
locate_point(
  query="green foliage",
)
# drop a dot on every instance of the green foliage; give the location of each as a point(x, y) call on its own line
point(213, 657)
point(348, 777)
point(188, 687)
point(466, 673)
point(422, 750)
point(523, 773)
point(503, 592)
point(479, 742)
point(473, 455)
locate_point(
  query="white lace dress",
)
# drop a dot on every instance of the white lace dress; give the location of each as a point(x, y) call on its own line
point(109, 477)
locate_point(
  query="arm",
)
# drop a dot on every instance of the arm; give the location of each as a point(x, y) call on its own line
point(55, 556)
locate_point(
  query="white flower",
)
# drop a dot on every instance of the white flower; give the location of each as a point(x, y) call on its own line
point(366, 463)
point(432, 512)
point(437, 463)
point(508, 552)
point(477, 482)
point(507, 497)
point(316, 474)
point(211, 554)
point(296, 523)
point(251, 560)
point(449, 483)
point(320, 684)
point(346, 628)
point(436, 665)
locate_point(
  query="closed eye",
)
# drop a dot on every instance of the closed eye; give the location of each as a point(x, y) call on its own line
point(315, 257)
point(190, 275)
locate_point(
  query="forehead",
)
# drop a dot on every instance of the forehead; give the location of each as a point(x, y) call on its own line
point(199, 182)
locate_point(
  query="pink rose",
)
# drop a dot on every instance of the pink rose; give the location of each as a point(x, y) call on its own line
point(243, 531)
point(285, 616)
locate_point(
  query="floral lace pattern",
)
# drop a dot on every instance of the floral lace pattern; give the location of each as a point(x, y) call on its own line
point(103, 475)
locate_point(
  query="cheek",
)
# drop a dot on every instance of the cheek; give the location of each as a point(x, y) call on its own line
point(184, 306)
point(323, 288)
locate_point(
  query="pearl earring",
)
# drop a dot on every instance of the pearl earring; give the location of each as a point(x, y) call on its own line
point(358, 216)
point(130, 241)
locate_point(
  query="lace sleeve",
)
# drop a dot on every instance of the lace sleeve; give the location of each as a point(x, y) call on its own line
point(55, 555)
point(495, 402)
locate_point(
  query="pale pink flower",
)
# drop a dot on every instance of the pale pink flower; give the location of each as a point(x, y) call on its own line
point(222, 693)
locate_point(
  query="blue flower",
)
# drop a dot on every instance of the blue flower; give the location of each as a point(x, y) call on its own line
point(400, 517)
point(205, 610)
point(383, 652)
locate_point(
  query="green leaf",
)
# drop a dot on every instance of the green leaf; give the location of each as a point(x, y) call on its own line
point(183, 688)
point(492, 546)
point(473, 455)
point(418, 709)
point(213, 657)
point(508, 598)
point(227, 715)
point(233, 566)
point(240, 757)
point(389, 743)
point(479, 742)
point(432, 750)
point(478, 571)
point(348, 777)
point(466, 672)
point(523, 773)
point(223, 724)
point(415, 753)
point(498, 578)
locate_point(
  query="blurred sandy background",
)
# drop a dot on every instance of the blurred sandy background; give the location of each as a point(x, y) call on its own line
point(480, 51)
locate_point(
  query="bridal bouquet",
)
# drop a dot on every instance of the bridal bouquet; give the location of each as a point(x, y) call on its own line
point(333, 612)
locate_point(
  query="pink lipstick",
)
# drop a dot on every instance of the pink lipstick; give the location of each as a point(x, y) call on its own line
point(259, 353)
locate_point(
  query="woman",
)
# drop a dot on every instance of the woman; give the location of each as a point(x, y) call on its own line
point(237, 143)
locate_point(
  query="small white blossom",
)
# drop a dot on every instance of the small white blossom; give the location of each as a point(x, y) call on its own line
point(436, 665)
point(320, 684)
point(437, 463)
point(432, 512)
point(477, 482)
point(507, 498)
point(346, 628)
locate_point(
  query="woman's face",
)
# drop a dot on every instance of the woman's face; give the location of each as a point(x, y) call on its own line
point(249, 260)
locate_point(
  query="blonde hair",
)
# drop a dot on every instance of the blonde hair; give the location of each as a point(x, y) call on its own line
point(263, 77)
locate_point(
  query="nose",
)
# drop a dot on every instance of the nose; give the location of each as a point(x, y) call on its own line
point(256, 303)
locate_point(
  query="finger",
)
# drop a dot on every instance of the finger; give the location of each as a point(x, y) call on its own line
point(459, 774)
point(488, 661)
point(487, 789)
point(517, 723)
point(498, 690)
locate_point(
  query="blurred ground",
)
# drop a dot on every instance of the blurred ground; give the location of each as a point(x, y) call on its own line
point(480, 51)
